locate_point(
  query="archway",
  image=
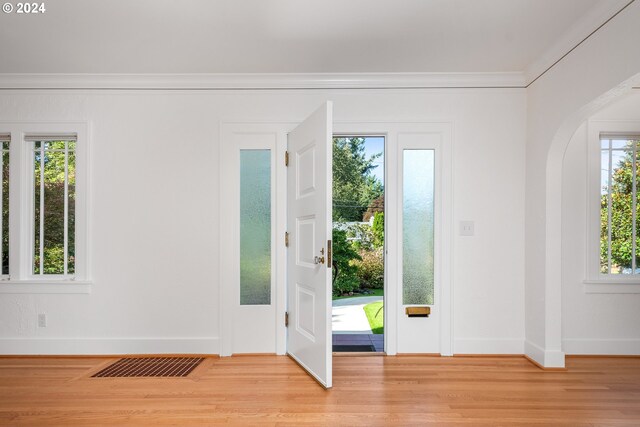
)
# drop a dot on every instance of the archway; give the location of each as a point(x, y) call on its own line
point(553, 231)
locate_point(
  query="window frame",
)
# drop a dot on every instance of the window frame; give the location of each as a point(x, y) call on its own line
point(4, 138)
point(595, 281)
point(21, 216)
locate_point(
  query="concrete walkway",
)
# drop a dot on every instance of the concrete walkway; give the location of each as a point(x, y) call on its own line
point(348, 315)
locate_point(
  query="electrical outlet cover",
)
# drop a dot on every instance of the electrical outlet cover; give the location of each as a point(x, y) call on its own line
point(467, 228)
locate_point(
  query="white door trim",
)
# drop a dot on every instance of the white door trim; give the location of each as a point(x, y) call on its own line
point(230, 144)
point(390, 130)
point(444, 186)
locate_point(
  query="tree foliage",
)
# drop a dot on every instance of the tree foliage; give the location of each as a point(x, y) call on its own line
point(354, 186)
point(378, 229)
point(621, 217)
point(5, 209)
point(370, 269)
point(357, 254)
point(54, 208)
point(344, 272)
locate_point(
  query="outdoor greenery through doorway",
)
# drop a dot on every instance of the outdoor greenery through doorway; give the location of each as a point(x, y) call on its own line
point(358, 220)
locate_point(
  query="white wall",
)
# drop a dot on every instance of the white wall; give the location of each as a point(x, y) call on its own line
point(592, 323)
point(154, 213)
point(592, 75)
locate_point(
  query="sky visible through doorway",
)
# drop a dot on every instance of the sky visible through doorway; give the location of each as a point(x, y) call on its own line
point(372, 146)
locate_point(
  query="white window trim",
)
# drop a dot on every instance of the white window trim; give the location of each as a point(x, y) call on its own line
point(596, 282)
point(21, 277)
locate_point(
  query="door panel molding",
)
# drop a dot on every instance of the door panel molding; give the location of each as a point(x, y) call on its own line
point(309, 190)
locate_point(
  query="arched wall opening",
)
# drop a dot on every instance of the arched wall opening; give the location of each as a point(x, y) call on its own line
point(592, 75)
point(597, 317)
point(554, 255)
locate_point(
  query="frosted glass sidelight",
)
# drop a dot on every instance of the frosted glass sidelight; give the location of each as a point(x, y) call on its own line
point(255, 227)
point(418, 226)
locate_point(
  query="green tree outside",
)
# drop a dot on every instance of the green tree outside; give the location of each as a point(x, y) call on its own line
point(358, 195)
point(354, 187)
point(54, 204)
point(621, 217)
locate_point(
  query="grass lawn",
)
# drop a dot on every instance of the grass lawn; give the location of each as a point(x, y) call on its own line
point(374, 293)
point(375, 316)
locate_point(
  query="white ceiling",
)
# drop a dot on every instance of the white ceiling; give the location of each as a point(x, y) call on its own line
point(294, 36)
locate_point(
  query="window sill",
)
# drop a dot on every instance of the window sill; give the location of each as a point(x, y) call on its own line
point(45, 287)
point(612, 286)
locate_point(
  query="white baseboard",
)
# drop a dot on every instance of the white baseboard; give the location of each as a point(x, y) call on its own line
point(98, 346)
point(488, 346)
point(545, 358)
point(619, 347)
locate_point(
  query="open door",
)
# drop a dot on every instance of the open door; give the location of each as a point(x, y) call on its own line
point(309, 226)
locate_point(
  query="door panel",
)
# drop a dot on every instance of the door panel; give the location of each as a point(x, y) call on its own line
point(309, 224)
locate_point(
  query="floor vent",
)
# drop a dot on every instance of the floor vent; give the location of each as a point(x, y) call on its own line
point(150, 367)
point(353, 348)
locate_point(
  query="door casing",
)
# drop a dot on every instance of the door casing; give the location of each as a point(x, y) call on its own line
point(397, 335)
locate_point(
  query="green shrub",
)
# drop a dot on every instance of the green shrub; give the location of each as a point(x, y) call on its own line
point(345, 283)
point(377, 229)
point(345, 277)
point(370, 269)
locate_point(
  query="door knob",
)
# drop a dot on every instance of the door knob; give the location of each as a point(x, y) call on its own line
point(319, 259)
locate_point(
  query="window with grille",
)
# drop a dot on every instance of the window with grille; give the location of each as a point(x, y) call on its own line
point(619, 225)
point(54, 182)
point(43, 208)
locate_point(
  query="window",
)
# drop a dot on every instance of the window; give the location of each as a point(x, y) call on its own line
point(619, 251)
point(43, 206)
point(54, 171)
point(418, 186)
point(4, 205)
point(613, 249)
point(255, 227)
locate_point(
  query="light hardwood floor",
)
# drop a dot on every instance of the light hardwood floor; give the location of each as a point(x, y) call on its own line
point(273, 390)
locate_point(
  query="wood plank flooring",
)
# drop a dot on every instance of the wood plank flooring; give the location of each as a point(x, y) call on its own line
point(371, 391)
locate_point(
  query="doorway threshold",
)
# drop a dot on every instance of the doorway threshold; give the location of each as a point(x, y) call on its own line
point(358, 343)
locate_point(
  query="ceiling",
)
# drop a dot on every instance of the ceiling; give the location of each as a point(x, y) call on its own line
point(294, 36)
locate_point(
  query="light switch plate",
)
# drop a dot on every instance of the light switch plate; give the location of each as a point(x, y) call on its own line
point(467, 228)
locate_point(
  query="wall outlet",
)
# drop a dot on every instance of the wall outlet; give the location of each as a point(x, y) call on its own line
point(467, 228)
point(42, 320)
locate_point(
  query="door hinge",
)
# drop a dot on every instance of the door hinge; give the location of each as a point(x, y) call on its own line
point(286, 239)
point(286, 158)
point(286, 319)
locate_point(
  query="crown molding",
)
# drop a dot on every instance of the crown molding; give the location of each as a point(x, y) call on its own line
point(262, 81)
point(573, 36)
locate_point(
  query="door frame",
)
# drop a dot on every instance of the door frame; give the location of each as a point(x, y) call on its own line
point(274, 135)
point(391, 131)
point(386, 286)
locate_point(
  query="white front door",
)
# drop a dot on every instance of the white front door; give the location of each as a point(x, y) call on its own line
point(309, 225)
